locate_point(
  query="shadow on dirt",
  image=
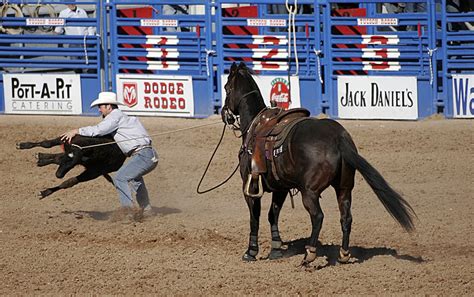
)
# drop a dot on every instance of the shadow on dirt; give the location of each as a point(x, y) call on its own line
point(107, 215)
point(358, 254)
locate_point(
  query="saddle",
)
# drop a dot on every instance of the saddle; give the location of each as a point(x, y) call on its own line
point(267, 133)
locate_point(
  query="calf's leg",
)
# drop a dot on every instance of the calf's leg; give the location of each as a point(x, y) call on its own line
point(45, 143)
point(83, 177)
point(47, 159)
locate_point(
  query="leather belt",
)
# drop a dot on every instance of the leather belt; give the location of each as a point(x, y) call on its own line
point(137, 149)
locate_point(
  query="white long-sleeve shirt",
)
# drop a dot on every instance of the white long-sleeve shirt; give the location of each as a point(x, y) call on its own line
point(79, 13)
point(127, 131)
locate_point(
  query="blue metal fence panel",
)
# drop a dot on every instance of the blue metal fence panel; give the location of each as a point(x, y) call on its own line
point(164, 44)
point(261, 34)
point(429, 41)
point(28, 45)
point(457, 56)
point(355, 46)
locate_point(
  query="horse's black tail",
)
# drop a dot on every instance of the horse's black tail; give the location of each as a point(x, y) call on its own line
point(393, 202)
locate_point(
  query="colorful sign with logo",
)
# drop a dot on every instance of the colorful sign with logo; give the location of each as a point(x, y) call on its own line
point(42, 94)
point(156, 95)
point(377, 97)
point(275, 89)
point(463, 96)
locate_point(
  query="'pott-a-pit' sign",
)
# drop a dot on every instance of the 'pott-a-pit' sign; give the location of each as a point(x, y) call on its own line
point(42, 94)
point(156, 95)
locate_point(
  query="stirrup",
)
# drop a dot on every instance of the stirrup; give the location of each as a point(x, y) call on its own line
point(247, 187)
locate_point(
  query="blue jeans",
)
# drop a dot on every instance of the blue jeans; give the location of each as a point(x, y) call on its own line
point(130, 177)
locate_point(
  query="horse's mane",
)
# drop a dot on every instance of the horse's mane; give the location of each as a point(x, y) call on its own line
point(243, 67)
point(247, 74)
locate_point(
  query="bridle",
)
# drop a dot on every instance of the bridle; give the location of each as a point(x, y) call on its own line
point(230, 118)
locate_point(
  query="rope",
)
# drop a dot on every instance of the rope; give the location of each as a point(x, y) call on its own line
point(28, 10)
point(18, 14)
point(156, 134)
point(430, 53)
point(208, 53)
point(209, 164)
point(85, 49)
point(318, 53)
point(292, 27)
point(50, 11)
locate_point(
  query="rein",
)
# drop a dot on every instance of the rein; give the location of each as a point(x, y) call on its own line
point(209, 164)
point(234, 127)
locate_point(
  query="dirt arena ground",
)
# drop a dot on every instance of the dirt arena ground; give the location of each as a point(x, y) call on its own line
point(75, 243)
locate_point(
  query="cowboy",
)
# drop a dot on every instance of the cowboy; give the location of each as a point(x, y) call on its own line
point(134, 141)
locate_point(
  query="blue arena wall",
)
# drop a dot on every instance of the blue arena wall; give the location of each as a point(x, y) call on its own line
point(346, 59)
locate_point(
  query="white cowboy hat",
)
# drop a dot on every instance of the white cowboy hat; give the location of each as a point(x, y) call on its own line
point(106, 98)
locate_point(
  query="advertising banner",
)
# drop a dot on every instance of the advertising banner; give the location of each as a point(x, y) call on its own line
point(463, 96)
point(55, 94)
point(377, 97)
point(159, 95)
point(275, 88)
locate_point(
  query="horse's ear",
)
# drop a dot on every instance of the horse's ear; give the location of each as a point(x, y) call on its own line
point(242, 65)
point(233, 67)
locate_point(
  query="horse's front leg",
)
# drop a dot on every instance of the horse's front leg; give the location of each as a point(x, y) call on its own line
point(45, 143)
point(254, 205)
point(311, 204)
point(278, 198)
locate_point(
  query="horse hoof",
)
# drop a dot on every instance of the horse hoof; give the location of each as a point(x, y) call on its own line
point(275, 254)
point(310, 254)
point(248, 258)
point(344, 256)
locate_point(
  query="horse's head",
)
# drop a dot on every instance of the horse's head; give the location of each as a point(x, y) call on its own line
point(239, 87)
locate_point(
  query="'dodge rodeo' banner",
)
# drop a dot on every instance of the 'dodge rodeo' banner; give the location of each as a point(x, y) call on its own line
point(156, 95)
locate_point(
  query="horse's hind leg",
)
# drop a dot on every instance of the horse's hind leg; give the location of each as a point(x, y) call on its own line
point(254, 205)
point(278, 198)
point(344, 201)
point(45, 143)
point(311, 204)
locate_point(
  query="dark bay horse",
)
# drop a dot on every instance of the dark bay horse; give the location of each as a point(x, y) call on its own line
point(316, 154)
point(90, 152)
